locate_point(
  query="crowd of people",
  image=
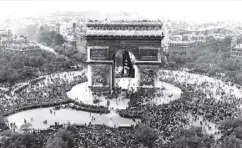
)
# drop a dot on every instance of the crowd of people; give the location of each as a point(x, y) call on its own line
point(103, 136)
point(51, 90)
point(206, 98)
point(87, 107)
point(212, 100)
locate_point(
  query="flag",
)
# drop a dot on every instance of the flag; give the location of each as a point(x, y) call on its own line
point(128, 70)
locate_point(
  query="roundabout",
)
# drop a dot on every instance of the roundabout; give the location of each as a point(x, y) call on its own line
point(80, 93)
point(185, 99)
point(65, 116)
point(121, 83)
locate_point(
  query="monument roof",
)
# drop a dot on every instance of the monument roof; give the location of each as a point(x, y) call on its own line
point(124, 28)
point(124, 22)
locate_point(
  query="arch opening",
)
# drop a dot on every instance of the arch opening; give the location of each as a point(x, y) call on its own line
point(124, 70)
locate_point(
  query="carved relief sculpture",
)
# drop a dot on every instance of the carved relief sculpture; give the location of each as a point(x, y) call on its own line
point(99, 77)
point(148, 77)
point(98, 53)
point(105, 38)
point(165, 46)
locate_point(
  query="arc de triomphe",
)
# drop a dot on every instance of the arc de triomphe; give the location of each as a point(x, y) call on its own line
point(141, 38)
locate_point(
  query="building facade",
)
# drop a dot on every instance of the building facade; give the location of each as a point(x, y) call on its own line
point(236, 52)
point(106, 38)
point(180, 47)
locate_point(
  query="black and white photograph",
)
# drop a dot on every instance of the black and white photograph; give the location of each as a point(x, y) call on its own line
point(120, 74)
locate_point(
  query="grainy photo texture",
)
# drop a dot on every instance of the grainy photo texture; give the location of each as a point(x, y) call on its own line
point(120, 74)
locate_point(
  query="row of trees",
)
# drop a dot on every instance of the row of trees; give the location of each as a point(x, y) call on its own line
point(71, 53)
point(19, 66)
point(193, 137)
point(63, 138)
point(41, 34)
point(50, 38)
point(211, 57)
point(56, 41)
point(3, 126)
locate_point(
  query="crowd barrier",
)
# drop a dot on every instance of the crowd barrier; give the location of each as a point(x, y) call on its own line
point(36, 106)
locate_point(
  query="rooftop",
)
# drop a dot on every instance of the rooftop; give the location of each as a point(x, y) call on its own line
point(124, 22)
point(124, 28)
point(124, 33)
point(181, 42)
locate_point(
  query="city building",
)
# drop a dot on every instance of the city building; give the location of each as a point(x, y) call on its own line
point(14, 43)
point(180, 47)
point(236, 52)
point(179, 44)
point(176, 37)
point(6, 37)
point(75, 37)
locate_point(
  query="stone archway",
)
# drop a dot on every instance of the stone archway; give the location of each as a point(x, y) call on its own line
point(141, 38)
point(114, 74)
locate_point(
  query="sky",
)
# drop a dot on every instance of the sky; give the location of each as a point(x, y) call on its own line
point(195, 11)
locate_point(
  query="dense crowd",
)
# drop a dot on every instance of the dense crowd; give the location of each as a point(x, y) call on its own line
point(51, 90)
point(87, 107)
point(209, 99)
point(103, 136)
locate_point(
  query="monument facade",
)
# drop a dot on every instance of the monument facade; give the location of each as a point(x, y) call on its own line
point(106, 38)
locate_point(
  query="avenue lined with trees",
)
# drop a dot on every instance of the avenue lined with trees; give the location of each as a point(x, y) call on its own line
point(211, 58)
point(162, 125)
point(18, 67)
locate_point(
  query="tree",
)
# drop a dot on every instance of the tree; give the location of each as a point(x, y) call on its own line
point(229, 142)
point(17, 62)
point(230, 65)
point(214, 70)
point(227, 42)
point(62, 139)
point(232, 133)
point(36, 61)
point(3, 126)
point(25, 140)
point(25, 127)
point(40, 60)
point(191, 138)
point(56, 142)
point(232, 126)
point(145, 135)
point(180, 58)
point(28, 72)
point(58, 40)
point(80, 57)
point(3, 75)
point(171, 57)
point(33, 62)
point(61, 59)
point(13, 76)
point(239, 77)
point(46, 37)
point(230, 74)
point(8, 133)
